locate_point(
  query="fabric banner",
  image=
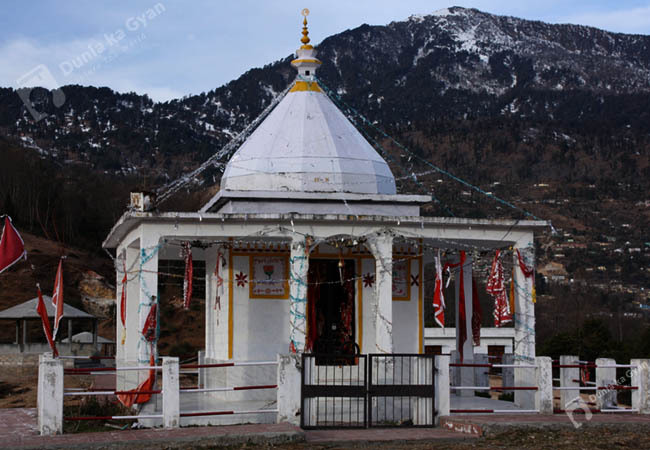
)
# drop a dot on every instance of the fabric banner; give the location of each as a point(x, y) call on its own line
point(12, 247)
point(57, 298)
point(189, 273)
point(42, 311)
point(461, 326)
point(218, 273)
point(133, 396)
point(528, 273)
point(438, 295)
point(401, 275)
point(149, 330)
point(123, 304)
point(496, 287)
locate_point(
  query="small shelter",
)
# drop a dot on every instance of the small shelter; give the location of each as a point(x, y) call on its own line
point(25, 314)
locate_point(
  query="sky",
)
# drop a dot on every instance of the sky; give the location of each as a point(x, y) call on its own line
point(171, 48)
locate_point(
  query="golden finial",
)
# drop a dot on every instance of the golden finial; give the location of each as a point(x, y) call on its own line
point(305, 32)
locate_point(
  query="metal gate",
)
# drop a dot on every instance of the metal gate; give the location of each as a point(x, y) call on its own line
point(360, 391)
point(401, 390)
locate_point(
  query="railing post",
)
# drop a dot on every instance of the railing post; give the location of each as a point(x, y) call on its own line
point(50, 395)
point(640, 377)
point(544, 379)
point(442, 395)
point(567, 377)
point(201, 361)
point(171, 393)
point(289, 402)
point(605, 376)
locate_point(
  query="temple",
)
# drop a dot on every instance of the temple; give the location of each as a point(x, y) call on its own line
point(308, 247)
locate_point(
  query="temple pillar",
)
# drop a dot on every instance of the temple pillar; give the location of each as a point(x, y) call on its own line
point(524, 348)
point(382, 249)
point(466, 374)
point(148, 295)
point(298, 268)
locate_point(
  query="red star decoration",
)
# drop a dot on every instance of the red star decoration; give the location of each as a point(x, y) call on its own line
point(368, 280)
point(415, 280)
point(241, 279)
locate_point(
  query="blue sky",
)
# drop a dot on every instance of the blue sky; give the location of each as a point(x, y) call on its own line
point(171, 48)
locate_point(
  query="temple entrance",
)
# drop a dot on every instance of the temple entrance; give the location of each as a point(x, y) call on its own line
point(330, 306)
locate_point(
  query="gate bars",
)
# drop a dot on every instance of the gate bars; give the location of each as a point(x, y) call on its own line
point(360, 391)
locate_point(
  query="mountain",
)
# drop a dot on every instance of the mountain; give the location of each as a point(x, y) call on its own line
point(555, 118)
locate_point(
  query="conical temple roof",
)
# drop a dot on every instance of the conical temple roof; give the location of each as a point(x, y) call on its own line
point(306, 144)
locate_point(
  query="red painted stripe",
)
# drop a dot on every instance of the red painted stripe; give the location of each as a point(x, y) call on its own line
point(471, 410)
point(248, 388)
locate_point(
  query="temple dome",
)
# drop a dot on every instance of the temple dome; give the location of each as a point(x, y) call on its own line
point(306, 144)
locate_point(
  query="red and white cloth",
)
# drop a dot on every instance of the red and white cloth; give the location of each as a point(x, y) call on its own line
point(12, 247)
point(438, 295)
point(461, 326)
point(496, 287)
point(42, 311)
point(57, 298)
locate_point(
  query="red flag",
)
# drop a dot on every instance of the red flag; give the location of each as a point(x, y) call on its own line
point(57, 298)
point(438, 295)
point(187, 282)
point(476, 314)
point(496, 287)
point(12, 247)
point(528, 273)
point(42, 311)
point(150, 324)
point(147, 385)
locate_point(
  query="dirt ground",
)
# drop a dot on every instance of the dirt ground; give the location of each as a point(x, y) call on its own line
point(588, 439)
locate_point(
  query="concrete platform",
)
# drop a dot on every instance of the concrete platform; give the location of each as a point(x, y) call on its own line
point(491, 424)
point(457, 402)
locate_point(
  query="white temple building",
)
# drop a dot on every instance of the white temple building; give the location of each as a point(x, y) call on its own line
point(308, 247)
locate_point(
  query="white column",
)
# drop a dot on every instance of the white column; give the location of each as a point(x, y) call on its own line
point(299, 266)
point(544, 383)
point(210, 301)
point(170, 391)
point(465, 374)
point(567, 375)
point(289, 407)
point(605, 376)
point(382, 249)
point(126, 336)
point(442, 399)
point(147, 265)
point(50, 395)
point(524, 351)
point(640, 377)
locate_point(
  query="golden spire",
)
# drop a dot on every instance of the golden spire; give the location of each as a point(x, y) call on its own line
point(305, 32)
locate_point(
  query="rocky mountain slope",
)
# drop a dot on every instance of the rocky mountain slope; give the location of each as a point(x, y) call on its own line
point(553, 117)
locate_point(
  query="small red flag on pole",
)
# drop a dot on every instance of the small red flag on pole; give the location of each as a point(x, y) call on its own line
point(42, 311)
point(12, 247)
point(57, 298)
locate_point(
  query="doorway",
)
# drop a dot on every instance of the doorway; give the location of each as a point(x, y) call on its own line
point(330, 305)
